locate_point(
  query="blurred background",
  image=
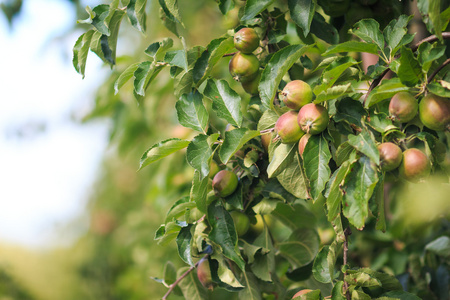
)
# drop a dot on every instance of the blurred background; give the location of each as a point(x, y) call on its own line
point(77, 220)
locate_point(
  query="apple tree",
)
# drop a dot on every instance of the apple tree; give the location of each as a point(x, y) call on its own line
point(320, 163)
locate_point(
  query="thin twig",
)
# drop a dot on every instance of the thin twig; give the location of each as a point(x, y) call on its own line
point(437, 70)
point(229, 54)
point(266, 131)
point(347, 232)
point(173, 285)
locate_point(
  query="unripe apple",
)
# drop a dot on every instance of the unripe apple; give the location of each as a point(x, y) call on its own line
point(251, 87)
point(224, 183)
point(302, 143)
point(244, 67)
point(265, 141)
point(403, 107)
point(415, 165)
point(204, 274)
point(313, 118)
point(302, 292)
point(296, 94)
point(434, 112)
point(287, 128)
point(241, 222)
point(390, 156)
point(246, 40)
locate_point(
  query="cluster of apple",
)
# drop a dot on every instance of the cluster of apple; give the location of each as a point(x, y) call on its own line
point(434, 113)
point(304, 119)
point(244, 66)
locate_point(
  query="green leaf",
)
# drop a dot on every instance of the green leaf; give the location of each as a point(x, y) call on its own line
point(385, 90)
point(323, 30)
point(358, 190)
point(388, 282)
point(301, 247)
point(336, 194)
point(379, 199)
point(125, 76)
point(334, 92)
point(283, 155)
point(395, 32)
point(352, 46)
point(251, 291)
point(401, 295)
point(429, 53)
point(191, 112)
point(225, 101)
point(191, 286)
point(438, 89)
point(223, 233)
point(267, 120)
point(179, 209)
point(294, 216)
point(199, 191)
point(274, 190)
point(161, 150)
point(234, 140)
point(276, 68)
point(221, 273)
point(302, 12)
point(136, 14)
point(320, 269)
point(316, 158)
point(184, 244)
point(365, 143)
point(170, 8)
point(167, 22)
point(170, 275)
point(210, 57)
point(369, 31)
point(199, 153)
point(225, 6)
point(81, 50)
point(104, 45)
point(101, 12)
point(410, 71)
point(294, 180)
point(254, 7)
point(176, 58)
point(440, 246)
point(343, 153)
point(362, 279)
point(183, 83)
point(336, 293)
point(434, 12)
point(158, 49)
point(144, 74)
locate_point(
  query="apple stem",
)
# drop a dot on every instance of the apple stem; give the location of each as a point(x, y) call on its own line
point(173, 285)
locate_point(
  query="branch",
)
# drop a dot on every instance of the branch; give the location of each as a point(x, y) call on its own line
point(437, 70)
point(430, 39)
point(173, 285)
point(374, 84)
point(347, 232)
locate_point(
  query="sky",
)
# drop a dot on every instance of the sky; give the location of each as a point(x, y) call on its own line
point(48, 162)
